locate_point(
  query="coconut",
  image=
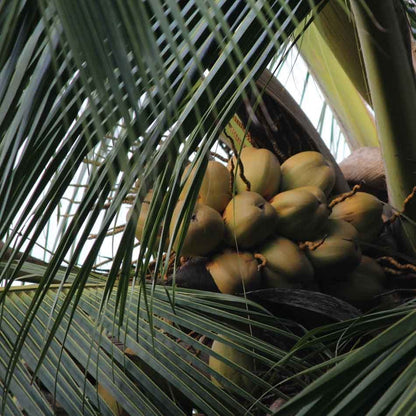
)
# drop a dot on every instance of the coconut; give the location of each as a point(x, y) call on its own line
point(336, 251)
point(261, 169)
point(272, 279)
point(308, 168)
point(249, 220)
point(301, 213)
point(232, 374)
point(205, 231)
point(361, 286)
point(110, 400)
point(144, 213)
point(215, 190)
point(363, 211)
point(286, 265)
point(234, 272)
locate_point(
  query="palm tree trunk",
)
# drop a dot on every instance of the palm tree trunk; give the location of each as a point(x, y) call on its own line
point(393, 93)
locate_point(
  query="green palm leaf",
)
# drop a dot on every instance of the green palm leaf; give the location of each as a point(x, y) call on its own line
point(89, 95)
point(99, 103)
point(90, 351)
point(370, 379)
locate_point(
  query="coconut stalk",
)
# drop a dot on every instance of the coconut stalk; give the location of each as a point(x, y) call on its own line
point(392, 87)
point(335, 24)
point(349, 107)
point(279, 93)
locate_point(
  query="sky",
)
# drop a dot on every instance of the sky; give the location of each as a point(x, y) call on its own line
point(292, 74)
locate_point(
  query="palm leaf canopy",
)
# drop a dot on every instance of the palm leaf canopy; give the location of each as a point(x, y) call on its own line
point(99, 103)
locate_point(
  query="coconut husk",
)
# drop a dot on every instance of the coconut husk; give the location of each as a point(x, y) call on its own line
point(365, 166)
point(309, 308)
point(194, 275)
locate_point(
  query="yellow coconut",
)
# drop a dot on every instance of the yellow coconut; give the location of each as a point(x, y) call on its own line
point(249, 220)
point(144, 213)
point(235, 272)
point(336, 251)
point(363, 211)
point(241, 359)
point(286, 264)
point(110, 400)
point(307, 168)
point(215, 189)
point(205, 231)
point(272, 279)
point(261, 169)
point(301, 213)
point(361, 286)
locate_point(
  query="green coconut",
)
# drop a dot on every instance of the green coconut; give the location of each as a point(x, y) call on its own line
point(286, 264)
point(215, 189)
point(235, 272)
point(241, 359)
point(336, 250)
point(361, 286)
point(205, 231)
point(308, 168)
point(261, 169)
point(249, 220)
point(363, 211)
point(301, 213)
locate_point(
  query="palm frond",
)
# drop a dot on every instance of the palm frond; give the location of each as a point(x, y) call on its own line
point(374, 377)
point(93, 100)
point(99, 103)
point(165, 369)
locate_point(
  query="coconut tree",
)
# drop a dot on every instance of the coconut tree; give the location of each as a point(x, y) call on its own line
point(101, 102)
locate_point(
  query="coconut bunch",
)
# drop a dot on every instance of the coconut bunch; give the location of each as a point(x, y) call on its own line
point(263, 224)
